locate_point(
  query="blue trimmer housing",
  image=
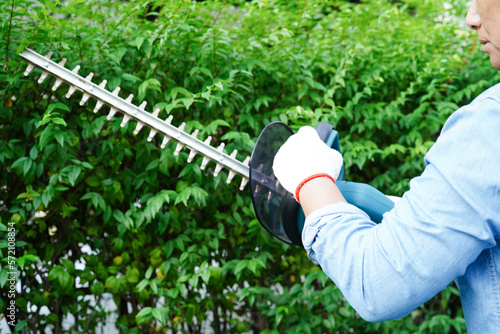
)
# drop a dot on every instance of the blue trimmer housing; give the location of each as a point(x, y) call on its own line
point(276, 209)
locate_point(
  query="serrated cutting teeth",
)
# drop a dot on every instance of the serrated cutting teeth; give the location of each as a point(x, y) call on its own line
point(179, 146)
point(42, 77)
point(86, 96)
point(166, 139)
point(112, 112)
point(192, 153)
point(98, 106)
point(139, 124)
point(231, 174)
point(72, 89)
point(56, 85)
point(48, 56)
point(45, 73)
point(218, 167)
point(99, 103)
point(152, 133)
point(124, 121)
point(126, 118)
point(138, 114)
point(205, 160)
point(29, 69)
point(244, 180)
point(59, 81)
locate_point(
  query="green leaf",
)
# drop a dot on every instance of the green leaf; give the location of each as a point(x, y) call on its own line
point(187, 102)
point(240, 266)
point(144, 315)
point(58, 120)
point(96, 199)
point(138, 42)
point(153, 165)
point(181, 90)
point(205, 276)
point(130, 77)
point(59, 136)
point(142, 284)
point(160, 314)
point(19, 162)
point(20, 325)
point(31, 258)
point(27, 166)
point(73, 174)
point(93, 181)
point(196, 194)
point(97, 288)
point(33, 153)
point(4, 274)
point(57, 105)
point(45, 137)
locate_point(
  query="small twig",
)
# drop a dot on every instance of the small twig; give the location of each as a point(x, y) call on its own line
point(17, 68)
point(159, 34)
point(8, 36)
point(119, 22)
point(91, 314)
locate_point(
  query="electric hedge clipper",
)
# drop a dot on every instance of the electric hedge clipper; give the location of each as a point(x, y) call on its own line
point(275, 208)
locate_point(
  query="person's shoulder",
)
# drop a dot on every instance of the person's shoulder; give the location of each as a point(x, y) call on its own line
point(479, 116)
point(491, 94)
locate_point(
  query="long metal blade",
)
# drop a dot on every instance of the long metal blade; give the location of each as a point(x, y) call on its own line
point(139, 114)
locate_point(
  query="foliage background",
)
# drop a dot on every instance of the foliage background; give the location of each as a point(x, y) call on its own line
point(178, 249)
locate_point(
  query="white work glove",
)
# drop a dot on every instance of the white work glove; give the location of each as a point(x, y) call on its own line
point(305, 156)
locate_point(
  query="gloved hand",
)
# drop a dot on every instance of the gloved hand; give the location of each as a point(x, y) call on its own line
point(303, 157)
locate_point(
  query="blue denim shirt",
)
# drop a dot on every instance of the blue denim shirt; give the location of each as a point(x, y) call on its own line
point(445, 227)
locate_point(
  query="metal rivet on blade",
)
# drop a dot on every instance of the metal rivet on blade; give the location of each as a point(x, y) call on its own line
point(48, 55)
point(181, 129)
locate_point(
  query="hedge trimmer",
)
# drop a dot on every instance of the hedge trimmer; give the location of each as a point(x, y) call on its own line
point(275, 208)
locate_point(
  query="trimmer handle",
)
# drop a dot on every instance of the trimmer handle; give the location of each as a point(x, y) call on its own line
point(277, 210)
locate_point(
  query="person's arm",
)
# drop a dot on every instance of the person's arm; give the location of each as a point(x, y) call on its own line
point(441, 225)
point(319, 193)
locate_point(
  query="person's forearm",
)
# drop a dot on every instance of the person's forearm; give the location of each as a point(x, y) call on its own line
point(319, 193)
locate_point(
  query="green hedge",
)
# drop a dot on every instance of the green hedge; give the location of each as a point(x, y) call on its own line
point(177, 248)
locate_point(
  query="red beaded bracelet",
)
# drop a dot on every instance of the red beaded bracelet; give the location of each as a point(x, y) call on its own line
point(307, 179)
